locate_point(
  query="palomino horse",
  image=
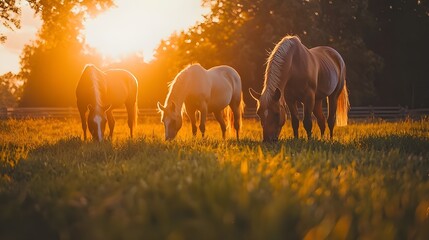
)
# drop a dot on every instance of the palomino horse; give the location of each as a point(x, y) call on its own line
point(206, 91)
point(296, 74)
point(101, 92)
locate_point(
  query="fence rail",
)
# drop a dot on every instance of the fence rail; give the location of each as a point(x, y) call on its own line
point(357, 113)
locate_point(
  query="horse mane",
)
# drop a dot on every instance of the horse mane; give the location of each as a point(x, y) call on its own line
point(275, 62)
point(92, 74)
point(177, 82)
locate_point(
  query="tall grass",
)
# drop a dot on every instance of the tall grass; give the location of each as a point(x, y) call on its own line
point(370, 182)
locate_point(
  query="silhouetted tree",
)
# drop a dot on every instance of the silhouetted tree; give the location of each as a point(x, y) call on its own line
point(402, 38)
point(9, 16)
point(242, 32)
point(52, 64)
point(10, 90)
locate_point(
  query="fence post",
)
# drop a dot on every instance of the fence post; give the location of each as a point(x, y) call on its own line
point(371, 113)
point(405, 113)
point(3, 112)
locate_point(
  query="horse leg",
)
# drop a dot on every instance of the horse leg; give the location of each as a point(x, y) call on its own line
point(190, 111)
point(131, 112)
point(203, 111)
point(236, 112)
point(82, 113)
point(219, 118)
point(318, 112)
point(294, 115)
point(111, 122)
point(332, 114)
point(308, 110)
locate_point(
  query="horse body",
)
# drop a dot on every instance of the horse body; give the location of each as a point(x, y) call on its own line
point(205, 91)
point(101, 92)
point(296, 74)
point(225, 88)
point(121, 87)
point(318, 66)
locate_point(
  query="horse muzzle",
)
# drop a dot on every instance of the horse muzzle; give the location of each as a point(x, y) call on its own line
point(270, 139)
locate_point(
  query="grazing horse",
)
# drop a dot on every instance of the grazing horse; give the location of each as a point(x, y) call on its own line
point(206, 91)
point(296, 74)
point(100, 92)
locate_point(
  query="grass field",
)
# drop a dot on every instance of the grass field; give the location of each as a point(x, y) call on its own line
point(370, 182)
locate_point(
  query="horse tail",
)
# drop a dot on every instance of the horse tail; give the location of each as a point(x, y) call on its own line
point(230, 115)
point(343, 106)
point(135, 112)
point(229, 119)
point(242, 105)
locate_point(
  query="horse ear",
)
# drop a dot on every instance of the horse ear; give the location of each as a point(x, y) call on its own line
point(106, 108)
point(160, 107)
point(277, 95)
point(255, 95)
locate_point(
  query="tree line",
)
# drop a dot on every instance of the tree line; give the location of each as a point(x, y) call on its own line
point(384, 45)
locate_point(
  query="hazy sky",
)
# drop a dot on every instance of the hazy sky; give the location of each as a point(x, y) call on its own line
point(132, 26)
point(11, 49)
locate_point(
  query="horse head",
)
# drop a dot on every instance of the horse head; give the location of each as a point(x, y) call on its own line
point(271, 112)
point(97, 120)
point(171, 118)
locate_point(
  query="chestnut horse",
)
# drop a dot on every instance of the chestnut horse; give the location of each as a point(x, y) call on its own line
point(206, 91)
point(99, 92)
point(296, 74)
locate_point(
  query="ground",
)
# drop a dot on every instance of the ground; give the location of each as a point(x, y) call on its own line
point(371, 182)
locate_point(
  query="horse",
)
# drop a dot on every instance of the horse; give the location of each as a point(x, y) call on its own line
point(297, 74)
point(98, 93)
point(197, 89)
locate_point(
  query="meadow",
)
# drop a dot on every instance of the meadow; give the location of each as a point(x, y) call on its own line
point(370, 182)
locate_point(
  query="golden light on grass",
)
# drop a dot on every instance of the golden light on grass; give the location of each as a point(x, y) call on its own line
point(371, 185)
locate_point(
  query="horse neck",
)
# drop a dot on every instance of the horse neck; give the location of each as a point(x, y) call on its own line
point(177, 94)
point(277, 69)
point(98, 87)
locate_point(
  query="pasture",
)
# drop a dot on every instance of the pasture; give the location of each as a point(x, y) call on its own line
point(370, 182)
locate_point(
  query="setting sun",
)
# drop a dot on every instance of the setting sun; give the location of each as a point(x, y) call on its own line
point(138, 27)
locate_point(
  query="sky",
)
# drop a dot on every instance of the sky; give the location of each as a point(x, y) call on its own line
point(131, 26)
point(11, 49)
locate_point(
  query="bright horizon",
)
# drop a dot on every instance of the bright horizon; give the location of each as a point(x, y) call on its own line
point(12, 48)
point(140, 26)
point(130, 27)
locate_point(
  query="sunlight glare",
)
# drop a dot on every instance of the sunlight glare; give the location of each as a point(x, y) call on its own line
point(138, 27)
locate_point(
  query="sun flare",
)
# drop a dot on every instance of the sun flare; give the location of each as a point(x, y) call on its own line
point(138, 27)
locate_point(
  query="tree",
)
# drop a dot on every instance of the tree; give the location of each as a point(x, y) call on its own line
point(344, 25)
point(401, 38)
point(9, 16)
point(10, 90)
point(52, 64)
point(240, 33)
point(10, 10)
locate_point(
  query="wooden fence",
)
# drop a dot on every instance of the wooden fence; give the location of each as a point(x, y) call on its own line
point(355, 113)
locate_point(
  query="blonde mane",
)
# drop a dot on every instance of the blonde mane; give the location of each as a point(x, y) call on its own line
point(275, 63)
point(177, 84)
point(92, 74)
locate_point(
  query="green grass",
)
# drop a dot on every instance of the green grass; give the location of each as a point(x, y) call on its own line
point(370, 182)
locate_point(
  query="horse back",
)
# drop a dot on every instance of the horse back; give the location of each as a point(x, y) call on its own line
point(121, 87)
point(91, 78)
point(226, 86)
point(226, 77)
point(331, 69)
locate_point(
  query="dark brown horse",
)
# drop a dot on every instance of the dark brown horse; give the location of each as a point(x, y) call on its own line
point(100, 92)
point(296, 74)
